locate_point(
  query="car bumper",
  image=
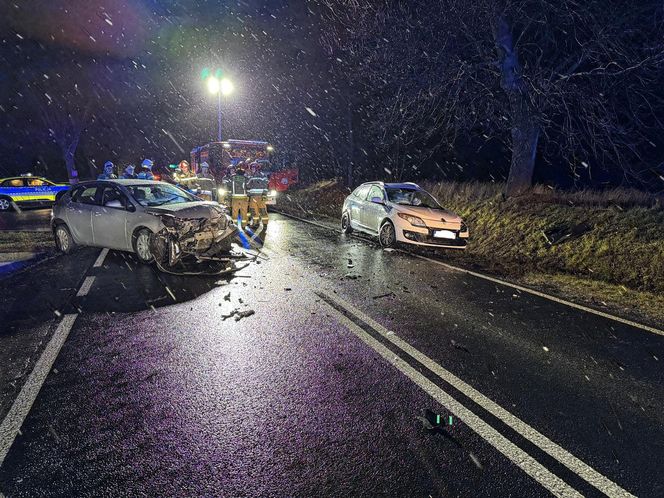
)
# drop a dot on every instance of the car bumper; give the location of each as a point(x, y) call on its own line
point(424, 237)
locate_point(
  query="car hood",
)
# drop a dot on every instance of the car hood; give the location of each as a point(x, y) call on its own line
point(428, 213)
point(189, 210)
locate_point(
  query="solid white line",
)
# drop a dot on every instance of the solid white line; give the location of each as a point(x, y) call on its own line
point(85, 288)
point(534, 292)
point(520, 458)
point(23, 402)
point(542, 294)
point(602, 483)
point(100, 258)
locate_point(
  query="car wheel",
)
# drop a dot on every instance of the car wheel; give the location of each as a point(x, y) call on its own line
point(387, 235)
point(5, 204)
point(345, 224)
point(142, 246)
point(63, 239)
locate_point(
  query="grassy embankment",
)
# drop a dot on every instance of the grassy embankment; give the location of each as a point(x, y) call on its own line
point(616, 263)
point(14, 243)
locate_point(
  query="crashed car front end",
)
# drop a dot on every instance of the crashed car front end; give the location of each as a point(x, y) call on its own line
point(203, 234)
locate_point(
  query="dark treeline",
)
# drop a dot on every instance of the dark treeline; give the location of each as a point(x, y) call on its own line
point(563, 92)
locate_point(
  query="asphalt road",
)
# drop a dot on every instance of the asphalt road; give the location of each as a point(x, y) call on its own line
point(170, 385)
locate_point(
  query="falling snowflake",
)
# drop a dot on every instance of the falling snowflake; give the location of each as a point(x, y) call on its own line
point(311, 111)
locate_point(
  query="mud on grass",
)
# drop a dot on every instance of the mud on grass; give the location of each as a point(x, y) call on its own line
point(18, 241)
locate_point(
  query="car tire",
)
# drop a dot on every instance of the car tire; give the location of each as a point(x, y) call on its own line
point(5, 204)
point(345, 224)
point(142, 246)
point(387, 235)
point(63, 239)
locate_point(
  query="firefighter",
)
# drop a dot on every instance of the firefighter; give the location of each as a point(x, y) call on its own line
point(205, 171)
point(108, 172)
point(128, 173)
point(146, 170)
point(237, 193)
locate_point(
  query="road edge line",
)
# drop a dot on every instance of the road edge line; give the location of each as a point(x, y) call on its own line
point(23, 403)
point(521, 288)
point(523, 460)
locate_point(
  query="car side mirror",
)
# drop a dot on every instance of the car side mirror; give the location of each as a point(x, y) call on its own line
point(377, 200)
point(130, 207)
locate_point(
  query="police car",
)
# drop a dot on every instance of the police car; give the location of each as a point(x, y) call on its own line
point(28, 190)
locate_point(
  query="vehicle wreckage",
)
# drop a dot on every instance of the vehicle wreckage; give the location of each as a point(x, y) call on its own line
point(202, 233)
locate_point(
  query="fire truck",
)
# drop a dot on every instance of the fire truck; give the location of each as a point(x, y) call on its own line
point(256, 156)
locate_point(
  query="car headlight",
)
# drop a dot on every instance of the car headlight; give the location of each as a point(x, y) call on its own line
point(221, 192)
point(413, 220)
point(272, 193)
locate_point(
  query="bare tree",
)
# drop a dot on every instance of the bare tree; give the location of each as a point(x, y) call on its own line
point(557, 81)
point(64, 111)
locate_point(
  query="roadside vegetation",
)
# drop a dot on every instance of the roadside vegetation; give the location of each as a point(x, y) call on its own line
point(610, 243)
point(25, 242)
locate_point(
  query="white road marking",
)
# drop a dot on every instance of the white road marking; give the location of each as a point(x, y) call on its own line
point(520, 458)
point(100, 258)
point(19, 410)
point(534, 292)
point(85, 288)
point(602, 483)
point(542, 294)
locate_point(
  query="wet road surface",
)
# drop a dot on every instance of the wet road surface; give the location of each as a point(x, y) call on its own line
point(170, 385)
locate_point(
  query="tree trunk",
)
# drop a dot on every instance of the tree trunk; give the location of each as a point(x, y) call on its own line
point(525, 130)
point(72, 173)
point(351, 146)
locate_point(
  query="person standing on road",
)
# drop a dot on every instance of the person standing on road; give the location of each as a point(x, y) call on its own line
point(146, 170)
point(128, 173)
point(108, 172)
point(205, 171)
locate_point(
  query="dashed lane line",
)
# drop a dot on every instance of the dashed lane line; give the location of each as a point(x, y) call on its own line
point(100, 258)
point(23, 402)
point(590, 475)
point(85, 288)
point(14, 419)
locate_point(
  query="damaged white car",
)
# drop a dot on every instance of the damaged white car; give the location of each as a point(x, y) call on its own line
point(157, 221)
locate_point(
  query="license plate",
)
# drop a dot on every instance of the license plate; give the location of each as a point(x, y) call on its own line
point(444, 234)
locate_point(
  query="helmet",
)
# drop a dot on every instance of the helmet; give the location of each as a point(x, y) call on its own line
point(147, 163)
point(130, 169)
point(205, 166)
point(108, 166)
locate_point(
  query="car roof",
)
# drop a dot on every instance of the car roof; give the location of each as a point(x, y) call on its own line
point(406, 186)
point(124, 181)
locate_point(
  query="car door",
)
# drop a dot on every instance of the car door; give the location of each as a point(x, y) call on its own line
point(110, 218)
point(374, 212)
point(40, 189)
point(15, 188)
point(357, 206)
point(78, 213)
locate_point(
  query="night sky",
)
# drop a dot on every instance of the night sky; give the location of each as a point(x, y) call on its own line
point(136, 65)
point(130, 70)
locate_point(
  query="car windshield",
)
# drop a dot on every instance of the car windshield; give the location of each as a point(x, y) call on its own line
point(411, 197)
point(159, 194)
